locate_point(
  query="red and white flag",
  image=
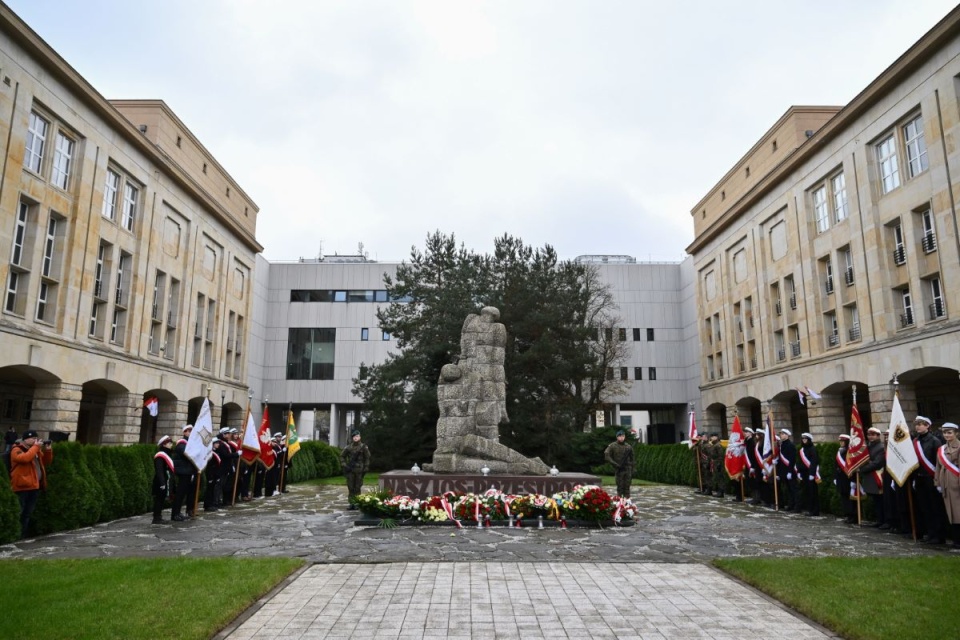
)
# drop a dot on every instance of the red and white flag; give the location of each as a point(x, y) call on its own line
point(692, 430)
point(857, 451)
point(152, 405)
point(267, 456)
point(736, 459)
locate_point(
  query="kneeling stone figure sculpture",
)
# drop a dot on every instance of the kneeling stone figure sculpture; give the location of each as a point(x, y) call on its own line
point(472, 396)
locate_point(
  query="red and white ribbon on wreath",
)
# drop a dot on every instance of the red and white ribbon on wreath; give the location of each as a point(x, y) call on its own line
point(949, 466)
point(476, 509)
point(617, 512)
point(446, 507)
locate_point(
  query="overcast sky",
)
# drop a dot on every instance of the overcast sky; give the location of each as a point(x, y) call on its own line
point(592, 126)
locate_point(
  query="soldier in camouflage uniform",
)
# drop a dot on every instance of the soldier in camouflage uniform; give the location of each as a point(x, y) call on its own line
point(355, 460)
point(620, 455)
point(718, 476)
point(703, 459)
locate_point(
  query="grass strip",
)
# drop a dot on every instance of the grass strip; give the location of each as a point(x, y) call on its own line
point(862, 598)
point(132, 598)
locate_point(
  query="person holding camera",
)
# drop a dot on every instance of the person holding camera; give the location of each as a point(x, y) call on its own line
point(28, 473)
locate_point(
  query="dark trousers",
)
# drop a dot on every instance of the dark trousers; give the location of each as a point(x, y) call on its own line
point(930, 508)
point(28, 502)
point(789, 493)
point(158, 501)
point(226, 488)
point(878, 512)
point(184, 494)
point(211, 493)
point(258, 478)
point(243, 485)
point(811, 497)
point(846, 504)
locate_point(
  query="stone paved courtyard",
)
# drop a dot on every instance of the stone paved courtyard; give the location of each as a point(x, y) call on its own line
point(634, 582)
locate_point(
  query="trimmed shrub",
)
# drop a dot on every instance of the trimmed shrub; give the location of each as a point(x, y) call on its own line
point(70, 501)
point(9, 510)
point(303, 466)
point(134, 483)
point(106, 479)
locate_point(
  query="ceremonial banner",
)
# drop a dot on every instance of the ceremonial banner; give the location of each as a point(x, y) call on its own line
point(200, 444)
point(250, 440)
point(692, 431)
point(267, 455)
point(735, 460)
point(770, 448)
point(901, 456)
point(857, 452)
point(293, 441)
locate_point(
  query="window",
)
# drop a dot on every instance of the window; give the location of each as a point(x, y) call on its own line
point(43, 310)
point(20, 234)
point(906, 318)
point(110, 195)
point(820, 209)
point(623, 373)
point(779, 346)
point(608, 334)
point(365, 334)
point(652, 373)
point(649, 335)
point(899, 249)
point(130, 194)
point(50, 271)
point(123, 279)
point(832, 329)
point(638, 373)
point(839, 186)
point(791, 291)
point(386, 336)
point(12, 296)
point(929, 242)
point(794, 341)
point(916, 146)
point(847, 265)
point(622, 334)
point(887, 159)
point(51, 249)
point(62, 159)
point(636, 335)
point(117, 326)
point(828, 275)
point(310, 354)
point(937, 309)
point(36, 141)
point(853, 321)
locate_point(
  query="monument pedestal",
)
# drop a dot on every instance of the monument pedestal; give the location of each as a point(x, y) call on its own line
point(425, 484)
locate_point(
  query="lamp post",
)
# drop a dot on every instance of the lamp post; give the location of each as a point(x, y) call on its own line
point(223, 413)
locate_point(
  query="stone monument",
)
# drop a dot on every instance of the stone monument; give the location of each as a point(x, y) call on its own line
point(472, 396)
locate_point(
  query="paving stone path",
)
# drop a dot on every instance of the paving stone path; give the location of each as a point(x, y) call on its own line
point(645, 581)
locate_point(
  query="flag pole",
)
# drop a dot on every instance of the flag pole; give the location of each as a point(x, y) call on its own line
point(283, 466)
point(246, 421)
point(773, 450)
point(196, 493)
point(913, 519)
point(856, 478)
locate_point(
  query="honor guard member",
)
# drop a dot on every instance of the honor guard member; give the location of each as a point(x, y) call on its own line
point(787, 471)
point(620, 456)
point(871, 475)
point(162, 477)
point(808, 467)
point(272, 476)
point(228, 466)
point(929, 505)
point(947, 479)
point(718, 476)
point(842, 481)
point(703, 460)
point(186, 477)
point(212, 473)
point(355, 460)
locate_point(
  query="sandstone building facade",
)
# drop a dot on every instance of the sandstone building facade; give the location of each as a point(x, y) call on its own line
point(127, 259)
point(828, 257)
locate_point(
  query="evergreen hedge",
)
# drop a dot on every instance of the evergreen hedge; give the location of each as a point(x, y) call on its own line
point(87, 484)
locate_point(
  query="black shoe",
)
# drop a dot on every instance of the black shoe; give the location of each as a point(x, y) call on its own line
point(737, 499)
point(177, 518)
point(719, 495)
point(935, 541)
point(211, 509)
point(754, 502)
point(157, 521)
point(883, 527)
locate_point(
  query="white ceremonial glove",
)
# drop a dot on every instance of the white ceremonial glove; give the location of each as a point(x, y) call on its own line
point(811, 478)
point(939, 489)
point(834, 482)
point(789, 476)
